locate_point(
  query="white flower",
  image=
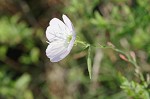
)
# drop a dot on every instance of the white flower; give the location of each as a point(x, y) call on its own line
point(61, 37)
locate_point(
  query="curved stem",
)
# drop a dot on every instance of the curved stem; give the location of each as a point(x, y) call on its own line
point(83, 43)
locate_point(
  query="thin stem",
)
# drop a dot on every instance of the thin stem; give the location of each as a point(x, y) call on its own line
point(137, 68)
point(81, 42)
point(131, 61)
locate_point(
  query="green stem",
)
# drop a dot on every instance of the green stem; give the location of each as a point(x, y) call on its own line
point(117, 50)
point(83, 43)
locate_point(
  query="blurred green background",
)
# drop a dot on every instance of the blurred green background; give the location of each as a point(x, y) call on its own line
point(26, 72)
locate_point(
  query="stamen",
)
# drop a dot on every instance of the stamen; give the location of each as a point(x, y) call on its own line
point(48, 42)
point(69, 38)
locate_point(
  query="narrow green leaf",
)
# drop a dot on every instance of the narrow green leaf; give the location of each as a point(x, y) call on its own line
point(89, 64)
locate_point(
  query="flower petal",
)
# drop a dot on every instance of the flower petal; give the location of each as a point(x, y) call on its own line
point(59, 27)
point(71, 43)
point(68, 23)
point(54, 35)
point(54, 48)
point(60, 56)
point(57, 30)
point(56, 51)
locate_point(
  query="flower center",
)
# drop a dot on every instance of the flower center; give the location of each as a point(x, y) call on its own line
point(69, 38)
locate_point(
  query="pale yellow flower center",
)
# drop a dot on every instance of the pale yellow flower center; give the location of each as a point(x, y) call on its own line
point(69, 38)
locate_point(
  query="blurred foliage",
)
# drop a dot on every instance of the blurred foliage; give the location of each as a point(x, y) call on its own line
point(10, 28)
point(135, 90)
point(17, 89)
point(26, 72)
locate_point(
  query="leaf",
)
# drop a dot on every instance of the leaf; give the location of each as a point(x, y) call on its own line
point(89, 64)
